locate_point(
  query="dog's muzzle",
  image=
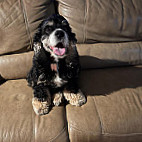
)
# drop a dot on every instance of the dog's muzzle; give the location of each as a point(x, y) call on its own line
point(59, 49)
point(57, 42)
point(59, 34)
point(59, 46)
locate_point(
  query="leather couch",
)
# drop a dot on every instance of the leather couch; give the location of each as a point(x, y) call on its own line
point(109, 37)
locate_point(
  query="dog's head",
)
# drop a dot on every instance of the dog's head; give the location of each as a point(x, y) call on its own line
point(55, 35)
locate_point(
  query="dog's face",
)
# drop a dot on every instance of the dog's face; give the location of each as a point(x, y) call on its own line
point(56, 36)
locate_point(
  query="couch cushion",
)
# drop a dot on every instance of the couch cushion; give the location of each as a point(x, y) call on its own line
point(15, 66)
point(113, 111)
point(105, 21)
point(18, 21)
point(102, 55)
point(18, 121)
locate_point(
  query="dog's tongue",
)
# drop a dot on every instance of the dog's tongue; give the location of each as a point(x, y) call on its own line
point(58, 51)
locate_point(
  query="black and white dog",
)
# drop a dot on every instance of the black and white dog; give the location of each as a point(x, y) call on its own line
point(55, 66)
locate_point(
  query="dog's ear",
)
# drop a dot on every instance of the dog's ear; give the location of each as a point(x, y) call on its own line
point(72, 38)
point(73, 41)
point(38, 34)
point(72, 48)
point(37, 39)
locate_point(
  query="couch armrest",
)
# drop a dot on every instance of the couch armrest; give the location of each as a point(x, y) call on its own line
point(16, 65)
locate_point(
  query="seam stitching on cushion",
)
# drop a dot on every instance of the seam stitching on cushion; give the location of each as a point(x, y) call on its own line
point(75, 128)
point(67, 124)
point(137, 94)
point(106, 134)
point(26, 23)
point(101, 125)
point(51, 140)
point(33, 123)
point(34, 130)
point(122, 24)
point(85, 17)
point(140, 52)
point(133, 4)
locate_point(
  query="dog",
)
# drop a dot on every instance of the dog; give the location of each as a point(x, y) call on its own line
point(56, 66)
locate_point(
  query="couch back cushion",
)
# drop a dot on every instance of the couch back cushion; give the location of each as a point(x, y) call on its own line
point(19, 20)
point(104, 20)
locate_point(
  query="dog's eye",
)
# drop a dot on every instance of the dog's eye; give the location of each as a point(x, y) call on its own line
point(64, 22)
point(48, 29)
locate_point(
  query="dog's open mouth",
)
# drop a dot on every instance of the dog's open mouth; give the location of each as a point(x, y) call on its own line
point(59, 49)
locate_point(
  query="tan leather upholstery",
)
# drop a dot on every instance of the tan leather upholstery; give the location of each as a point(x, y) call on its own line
point(16, 65)
point(102, 55)
point(18, 21)
point(105, 21)
point(113, 111)
point(91, 56)
point(19, 123)
point(108, 34)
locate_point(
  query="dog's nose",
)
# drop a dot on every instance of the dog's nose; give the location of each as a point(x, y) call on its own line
point(59, 34)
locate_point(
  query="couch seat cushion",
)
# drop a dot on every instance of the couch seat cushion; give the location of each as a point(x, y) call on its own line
point(113, 111)
point(18, 121)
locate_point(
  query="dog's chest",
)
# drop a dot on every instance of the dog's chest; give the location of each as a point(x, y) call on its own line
point(58, 81)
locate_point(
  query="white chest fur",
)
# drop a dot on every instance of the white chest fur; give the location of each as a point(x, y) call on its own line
point(59, 81)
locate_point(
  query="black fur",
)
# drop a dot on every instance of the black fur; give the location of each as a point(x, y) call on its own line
point(41, 76)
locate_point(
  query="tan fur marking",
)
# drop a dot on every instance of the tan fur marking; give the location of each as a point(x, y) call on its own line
point(37, 47)
point(50, 23)
point(39, 107)
point(57, 99)
point(75, 99)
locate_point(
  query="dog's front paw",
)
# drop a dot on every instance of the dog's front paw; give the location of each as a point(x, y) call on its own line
point(57, 99)
point(75, 99)
point(40, 108)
